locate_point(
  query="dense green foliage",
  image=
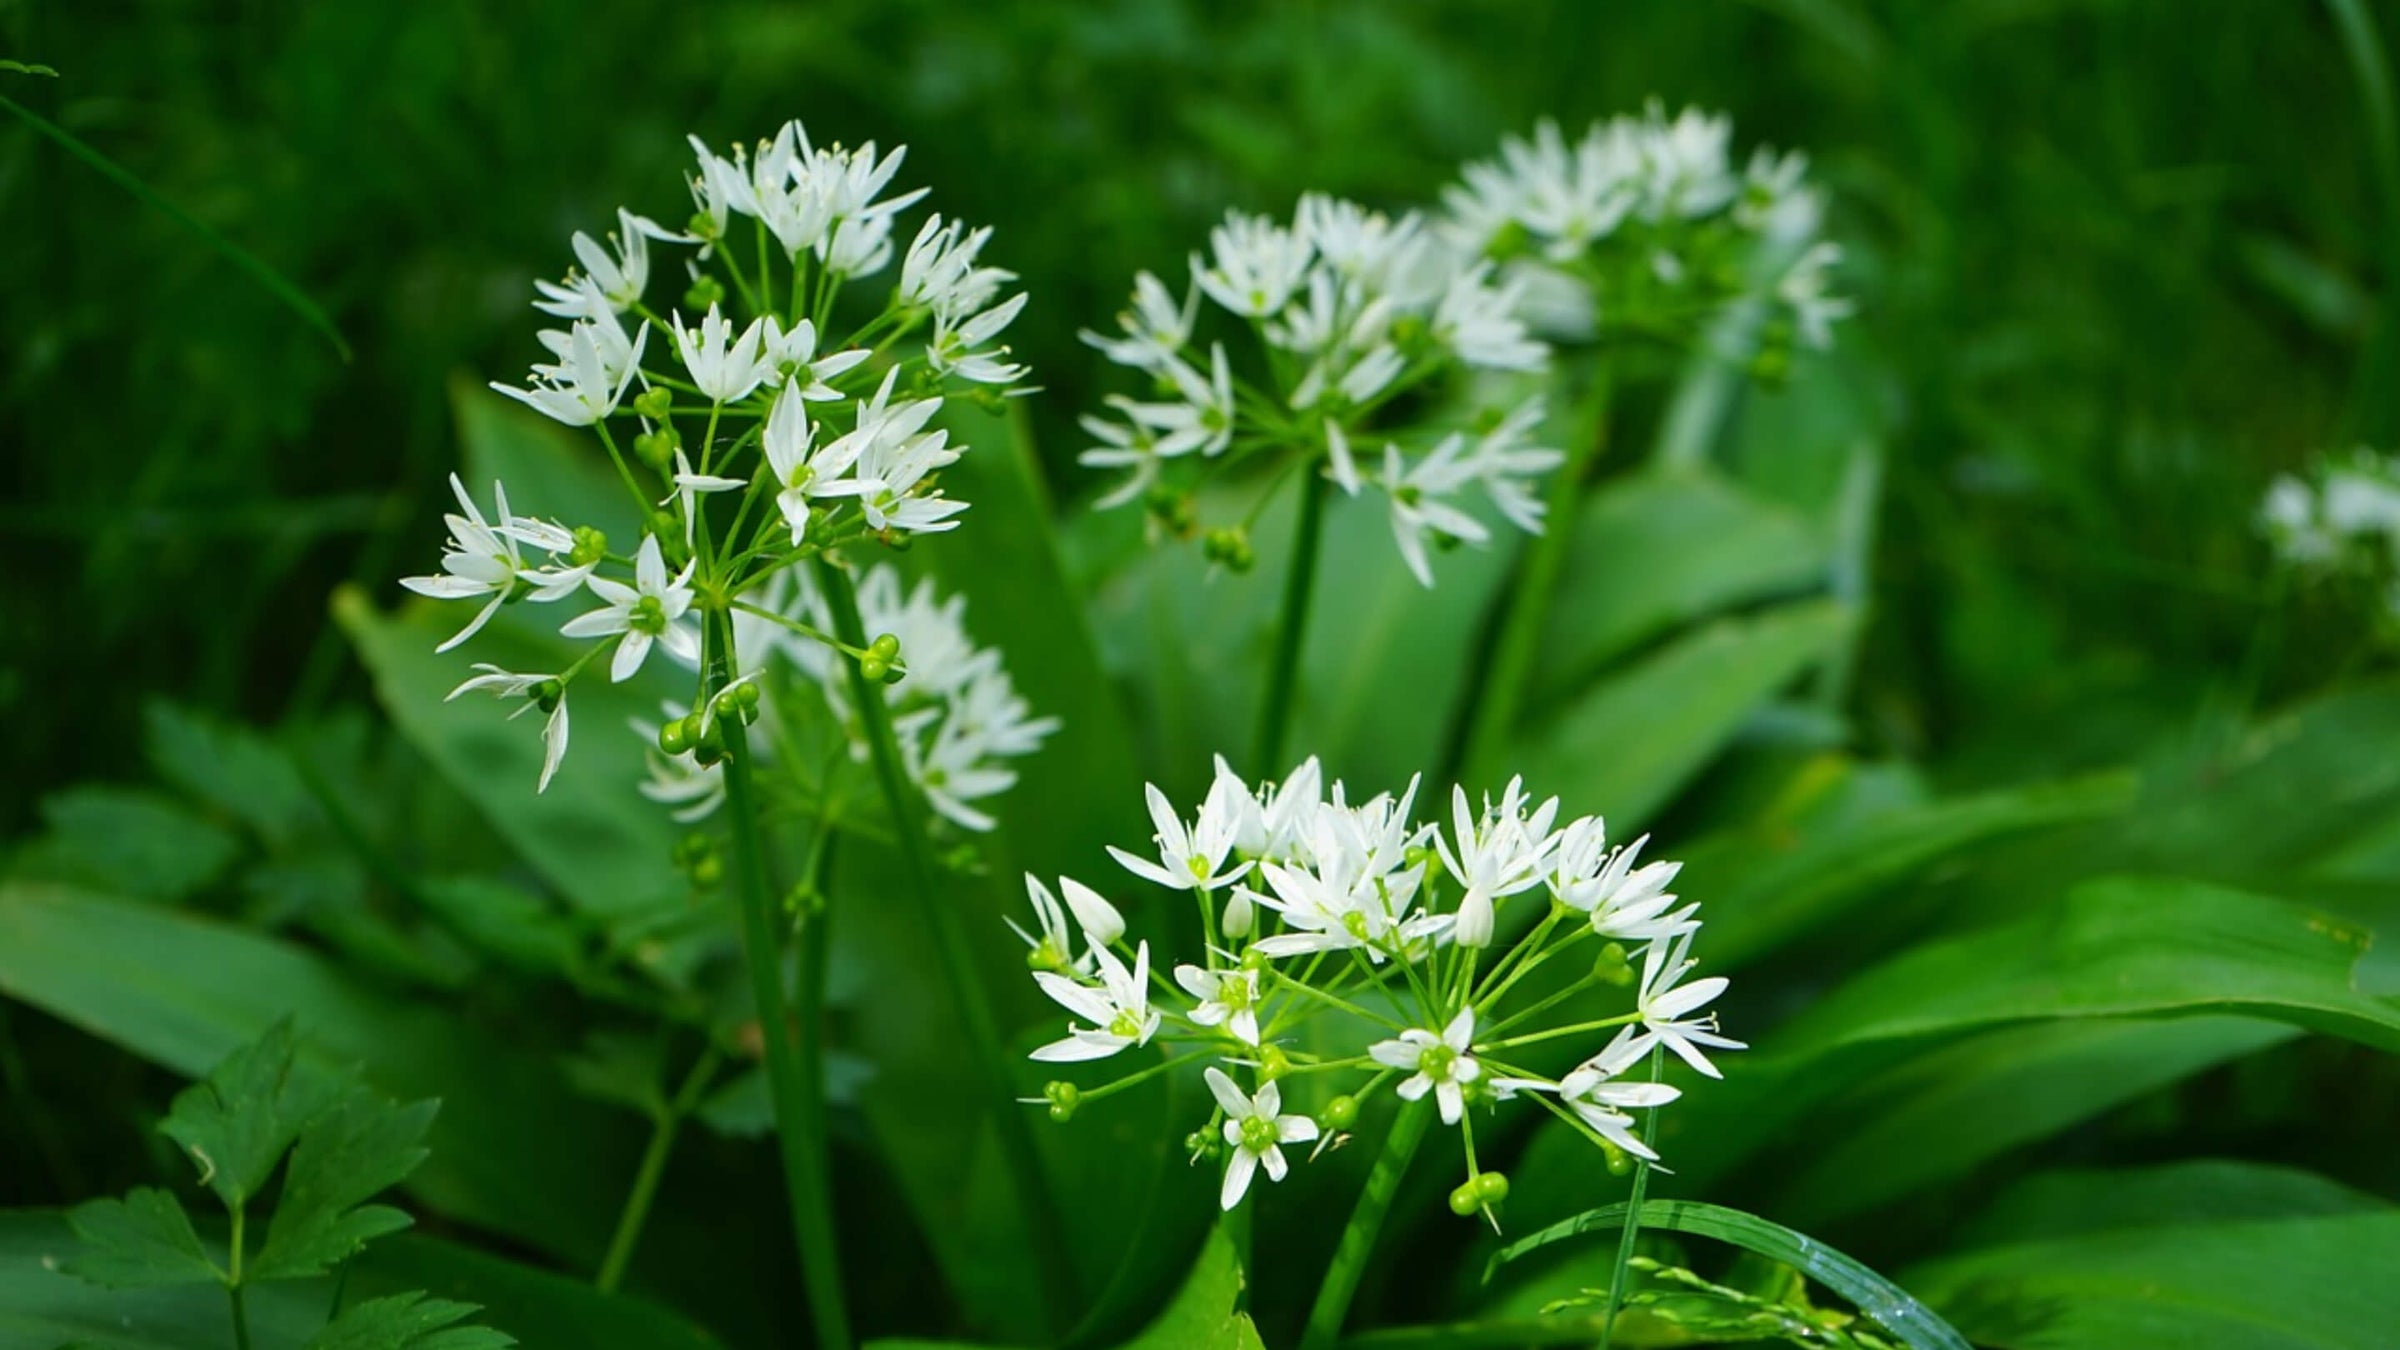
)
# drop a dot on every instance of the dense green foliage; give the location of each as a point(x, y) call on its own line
point(2052, 842)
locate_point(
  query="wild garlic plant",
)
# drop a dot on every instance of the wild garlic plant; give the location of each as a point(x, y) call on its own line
point(1646, 228)
point(1357, 945)
point(772, 423)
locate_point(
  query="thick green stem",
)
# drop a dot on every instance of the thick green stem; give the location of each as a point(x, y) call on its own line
point(1299, 585)
point(970, 1000)
point(1633, 1215)
point(1325, 1316)
point(800, 1129)
point(653, 1168)
point(1528, 602)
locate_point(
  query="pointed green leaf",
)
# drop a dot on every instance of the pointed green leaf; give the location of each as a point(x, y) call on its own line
point(408, 1322)
point(140, 1241)
point(363, 1145)
point(134, 840)
point(237, 1122)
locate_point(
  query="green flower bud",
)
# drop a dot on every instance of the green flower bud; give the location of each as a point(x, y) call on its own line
point(705, 291)
point(1064, 1097)
point(590, 546)
point(1341, 1113)
point(654, 403)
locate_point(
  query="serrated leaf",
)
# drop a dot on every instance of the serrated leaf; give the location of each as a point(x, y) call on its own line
point(237, 1122)
point(142, 1241)
point(408, 1322)
point(361, 1146)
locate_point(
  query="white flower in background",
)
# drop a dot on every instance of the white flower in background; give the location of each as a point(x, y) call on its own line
point(1202, 420)
point(1666, 1005)
point(1479, 321)
point(1118, 1008)
point(1157, 327)
point(1255, 1131)
point(1190, 858)
point(1807, 289)
point(1255, 264)
point(535, 690)
point(1439, 1064)
point(649, 611)
point(726, 368)
point(584, 386)
point(483, 559)
point(1495, 855)
point(1419, 493)
point(1228, 998)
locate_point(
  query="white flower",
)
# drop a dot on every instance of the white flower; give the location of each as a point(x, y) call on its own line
point(800, 477)
point(1256, 265)
point(1119, 1009)
point(688, 487)
point(1228, 998)
point(1438, 1064)
point(585, 385)
point(887, 457)
point(1203, 417)
point(1497, 855)
point(1368, 249)
point(1122, 446)
point(957, 345)
point(483, 559)
point(619, 277)
point(726, 368)
point(939, 271)
point(1417, 492)
point(1807, 287)
point(1506, 464)
point(691, 791)
point(1255, 1130)
point(1597, 1096)
point(1478, 321)
point(1690, 173)
point(1624, 901)
point(720, 188)
point(1190, 859)
point(1156, 328)
point(1266, 822)
point(793, 356)
point(1666, 1007)
point(650, 610)
point(1054, 949)
point(531, 688)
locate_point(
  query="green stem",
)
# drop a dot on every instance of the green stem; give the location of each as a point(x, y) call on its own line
point(1528, 604)
point(1358, 1239)
point(1299, 584)
point(1633, 1216)
point(652, 1169)
point(233, 1285)
point(971, 1001)
point(800, 1130)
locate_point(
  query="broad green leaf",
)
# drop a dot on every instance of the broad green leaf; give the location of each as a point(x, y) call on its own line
point(138, 1242)
point(1767, 884)
point(236, 1123)
point(2075, 1201)
point(513, 1152)
point(27, 68)
point(1659, 550)
point(1625, 746)
point(408, 1322)
point(44, 1307)
point(2308, 1281)
point(591, 835)
point(360, 1146)
point(541, 1307)
point(135, 841)
point(1939, 1115)
point(2124, 948)
point(1884, 1302)
point(232, 768)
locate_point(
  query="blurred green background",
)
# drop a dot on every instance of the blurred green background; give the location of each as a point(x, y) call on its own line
point(2118, 263)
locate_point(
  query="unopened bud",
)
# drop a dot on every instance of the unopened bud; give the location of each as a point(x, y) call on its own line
point(1064, 1097)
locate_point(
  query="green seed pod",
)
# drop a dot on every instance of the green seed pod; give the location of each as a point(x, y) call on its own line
point(746, 695)
point(1064, 1098)
point(885, 645)
point(1464, 1201)
point(548, 693)
point(1619, 1161)
point(708, 871)
point(707, 733)
point(705, 291)
point(1612, 967)
point(590, 546)
point(654, 403)
point(674, 738)
point(874, 667)
point(1491, 1187)
point(1341, 1113)
point(656, 449)
point(1273, 1063)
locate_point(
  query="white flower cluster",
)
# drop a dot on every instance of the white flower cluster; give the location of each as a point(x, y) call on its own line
point(1644, 226)
point(1359, 921)
point(764, 440)
point(1348, 310)
point(2344, 514)
point(957, 714)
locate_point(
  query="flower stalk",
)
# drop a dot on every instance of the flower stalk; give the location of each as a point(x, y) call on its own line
point(1357, 1242)
point(652, 1170)
point(1291, 628)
